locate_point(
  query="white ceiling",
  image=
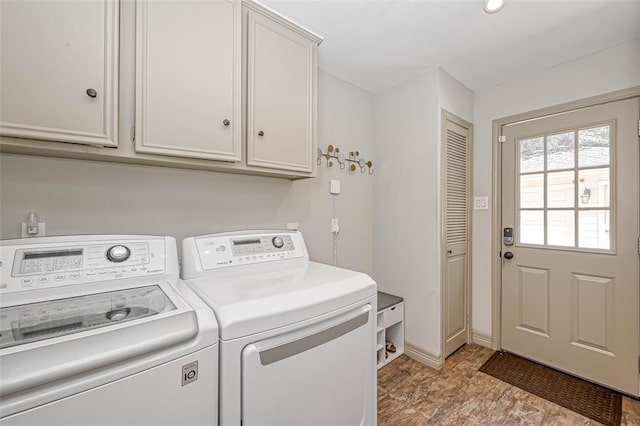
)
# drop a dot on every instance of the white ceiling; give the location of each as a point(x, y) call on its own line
point(377, 44)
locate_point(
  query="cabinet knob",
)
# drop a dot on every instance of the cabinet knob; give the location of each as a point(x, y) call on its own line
point(226, 122)
point(260, 133)
point(92, 93)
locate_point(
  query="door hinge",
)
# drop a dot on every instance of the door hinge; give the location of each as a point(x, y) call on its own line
point(638, 127)
point(502, 139)
point(638, 245)
point(133, 133)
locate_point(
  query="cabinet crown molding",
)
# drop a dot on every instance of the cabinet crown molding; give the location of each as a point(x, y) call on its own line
point(267, 11)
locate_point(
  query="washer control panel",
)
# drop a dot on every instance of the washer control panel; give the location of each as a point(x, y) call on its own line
point(27, 267)
point(218, 251)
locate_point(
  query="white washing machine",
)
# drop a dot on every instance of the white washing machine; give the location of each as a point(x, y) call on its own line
point(297, 338)
point(100, 330)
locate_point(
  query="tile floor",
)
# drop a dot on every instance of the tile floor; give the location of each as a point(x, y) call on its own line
point(410, 393)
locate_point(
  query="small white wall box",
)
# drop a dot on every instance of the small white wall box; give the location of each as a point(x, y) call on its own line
point(335, 186)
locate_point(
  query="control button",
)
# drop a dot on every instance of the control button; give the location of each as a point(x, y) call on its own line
point(59, 277)
point(223, 248)
point(118, 315)
point(118, 254)
point(43, 279)
point(277, 242)
point(27, 281)
point(74, 276)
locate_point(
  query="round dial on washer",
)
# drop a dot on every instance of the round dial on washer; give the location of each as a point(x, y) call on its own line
point(278, 242)
point(118, 314)
point(118, 254)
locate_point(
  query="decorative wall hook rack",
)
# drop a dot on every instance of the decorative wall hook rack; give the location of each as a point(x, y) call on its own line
point(350, 162)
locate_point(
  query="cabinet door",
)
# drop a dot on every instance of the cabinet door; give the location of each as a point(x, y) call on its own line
point(59, 70)
point(281, 89)
point(188, 78)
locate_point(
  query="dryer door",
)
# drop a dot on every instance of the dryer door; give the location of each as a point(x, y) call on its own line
point(320, 375)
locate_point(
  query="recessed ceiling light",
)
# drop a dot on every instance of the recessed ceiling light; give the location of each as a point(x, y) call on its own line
point(492, 6)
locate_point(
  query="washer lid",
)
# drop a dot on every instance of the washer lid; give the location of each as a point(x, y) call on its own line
point(257, 298)
point(33, 322)
point(45, 341)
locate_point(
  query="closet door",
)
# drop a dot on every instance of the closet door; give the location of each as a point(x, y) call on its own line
point(188, 78)
point(457, 185)
point(59, 70)
point(280, 96)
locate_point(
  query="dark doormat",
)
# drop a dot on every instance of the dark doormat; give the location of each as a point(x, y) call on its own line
point(596, 402)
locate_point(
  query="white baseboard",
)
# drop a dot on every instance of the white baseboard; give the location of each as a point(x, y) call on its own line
point(422, 356)
point(480, 338)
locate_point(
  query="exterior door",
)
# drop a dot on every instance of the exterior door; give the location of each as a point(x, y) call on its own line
point(570, 277)
point(456, 176)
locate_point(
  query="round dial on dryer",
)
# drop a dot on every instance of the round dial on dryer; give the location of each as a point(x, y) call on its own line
point(278, 242)
point(118, 254)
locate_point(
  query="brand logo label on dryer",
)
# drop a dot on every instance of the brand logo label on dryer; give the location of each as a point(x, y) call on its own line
point(189, 373)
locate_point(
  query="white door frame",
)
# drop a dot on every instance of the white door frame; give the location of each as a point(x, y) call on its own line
point(446, 115)
point(496, 225)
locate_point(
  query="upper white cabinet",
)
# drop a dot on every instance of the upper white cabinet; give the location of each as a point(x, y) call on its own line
point(59, 70)
point(188, 71)
point(224, 85)
point(281, 91)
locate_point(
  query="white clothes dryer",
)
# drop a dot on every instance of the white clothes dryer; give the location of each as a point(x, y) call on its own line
point(297, 338)
point(100, 330)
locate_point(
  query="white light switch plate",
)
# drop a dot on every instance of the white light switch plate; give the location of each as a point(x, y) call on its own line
point(481, 203)
point(335, 186)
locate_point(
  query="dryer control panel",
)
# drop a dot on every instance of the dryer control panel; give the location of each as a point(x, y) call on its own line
point(224, 250)
point(35, 265)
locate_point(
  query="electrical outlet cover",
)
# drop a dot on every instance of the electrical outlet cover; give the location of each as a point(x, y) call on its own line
point(42, 230)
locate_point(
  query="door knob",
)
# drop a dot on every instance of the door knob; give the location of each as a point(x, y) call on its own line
point(449, 252)
point(226, 122)
point(508, 255)
point(260, 133)
point(92, 93)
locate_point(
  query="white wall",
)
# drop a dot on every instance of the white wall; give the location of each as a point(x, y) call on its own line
point(605, 71)
point(407, 197)
point(405, 205)
point(454, 96)
point(75, 196)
